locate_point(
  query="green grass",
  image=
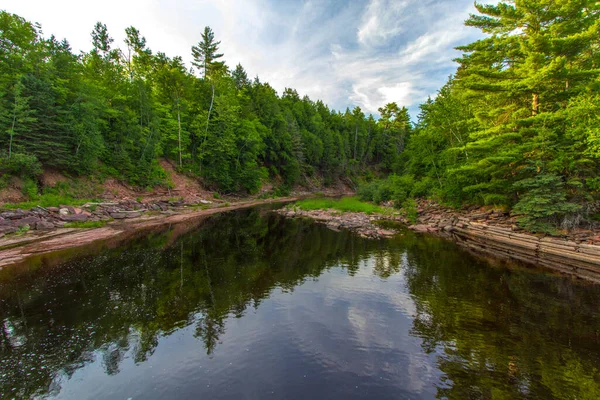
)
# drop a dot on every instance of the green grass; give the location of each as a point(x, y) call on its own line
point(87, 224)
point(50, 200)
point(345, 204)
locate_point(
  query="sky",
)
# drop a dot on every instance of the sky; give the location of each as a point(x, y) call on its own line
point(348, 53)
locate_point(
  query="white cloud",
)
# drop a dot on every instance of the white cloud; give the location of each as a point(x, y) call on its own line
point(364, 53)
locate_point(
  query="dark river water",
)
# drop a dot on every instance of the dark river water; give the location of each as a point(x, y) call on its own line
point(248, 305)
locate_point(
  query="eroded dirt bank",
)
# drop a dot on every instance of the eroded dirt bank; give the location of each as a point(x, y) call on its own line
point(17, 249)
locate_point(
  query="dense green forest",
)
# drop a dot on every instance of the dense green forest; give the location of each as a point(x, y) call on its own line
point(517, 126)
point(114, 112)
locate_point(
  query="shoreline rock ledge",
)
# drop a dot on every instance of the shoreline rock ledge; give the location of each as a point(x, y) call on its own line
point(497, 234)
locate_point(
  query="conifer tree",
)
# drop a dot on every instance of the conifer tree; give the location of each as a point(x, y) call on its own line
point(205, 54)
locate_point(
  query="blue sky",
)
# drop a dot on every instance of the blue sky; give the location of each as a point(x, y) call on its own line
point(359, 52)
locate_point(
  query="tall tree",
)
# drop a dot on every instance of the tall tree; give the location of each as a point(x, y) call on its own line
point(205, 54)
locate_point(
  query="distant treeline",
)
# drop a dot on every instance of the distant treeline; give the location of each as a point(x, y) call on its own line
point(115, 112)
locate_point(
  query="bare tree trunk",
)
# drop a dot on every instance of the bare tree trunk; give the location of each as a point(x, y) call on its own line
point(179, 136)
point(535, 106)
point(208, 118)
point(12, 129)
point(355, 140)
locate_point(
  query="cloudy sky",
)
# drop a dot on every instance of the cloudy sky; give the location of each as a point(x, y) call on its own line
point(358, 52)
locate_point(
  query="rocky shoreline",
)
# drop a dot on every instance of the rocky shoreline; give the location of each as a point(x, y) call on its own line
point(360, 223)
point(496, 233)
point(17, 248)
point(49, 218)
point(489, 232)
point(485, 232)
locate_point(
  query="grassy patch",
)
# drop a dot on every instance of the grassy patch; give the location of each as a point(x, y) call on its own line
point(345, 204)
point(50, 200)
point(87, 224)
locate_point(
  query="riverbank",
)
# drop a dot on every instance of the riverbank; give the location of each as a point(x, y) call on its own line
point(17, 248)
point(485, 232)
point(496, 233)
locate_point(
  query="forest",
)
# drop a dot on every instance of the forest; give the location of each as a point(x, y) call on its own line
point(516, 127)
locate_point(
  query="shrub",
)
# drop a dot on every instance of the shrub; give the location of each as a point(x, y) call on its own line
point(26, 165)
point(409, 210)
point(544, 203)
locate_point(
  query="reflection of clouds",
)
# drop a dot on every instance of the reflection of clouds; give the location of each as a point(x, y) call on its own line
point(337, 332)
point(360, 325)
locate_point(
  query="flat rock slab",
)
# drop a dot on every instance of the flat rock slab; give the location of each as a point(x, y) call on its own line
point(74, 218)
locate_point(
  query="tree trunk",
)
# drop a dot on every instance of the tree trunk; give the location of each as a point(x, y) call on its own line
point(208, 118)
point(12, 130)
point(355, 141)
point(179, 136)
point(535, 105)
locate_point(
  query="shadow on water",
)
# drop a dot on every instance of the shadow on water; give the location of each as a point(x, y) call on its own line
point(475, 331)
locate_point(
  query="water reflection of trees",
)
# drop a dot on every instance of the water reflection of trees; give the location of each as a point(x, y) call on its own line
point(497, 333)
point(504, 333)
point(124, 299)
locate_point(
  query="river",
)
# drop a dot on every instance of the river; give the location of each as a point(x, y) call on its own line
point(250, 305)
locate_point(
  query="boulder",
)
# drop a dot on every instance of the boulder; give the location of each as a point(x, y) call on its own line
point(63, 211)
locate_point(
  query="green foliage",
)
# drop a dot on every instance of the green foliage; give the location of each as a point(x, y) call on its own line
point(394, 188)
point(522, 106)
point(86, 224)
point(544, 202)
point(518, 124)
point(26, 165)
point(345, 204)
point(409, 210)
point(30, 189)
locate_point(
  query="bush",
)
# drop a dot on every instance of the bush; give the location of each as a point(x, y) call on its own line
point(30, 189)
point(409, 210)
point(395, 188)
point(422, 188)
point(26, 165)
point(544, 203)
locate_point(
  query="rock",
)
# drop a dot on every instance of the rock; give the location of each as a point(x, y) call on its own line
point(13, 214)
point(63, 211)
point(53, 209)
point(6, 222)
point(125, 214)
point(8, 229)
point(205, 202)
point(74, 218)
point(419, 228)
point(44, 225)
point(30, 221)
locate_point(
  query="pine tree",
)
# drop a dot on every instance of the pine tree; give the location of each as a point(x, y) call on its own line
point(205, 55)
